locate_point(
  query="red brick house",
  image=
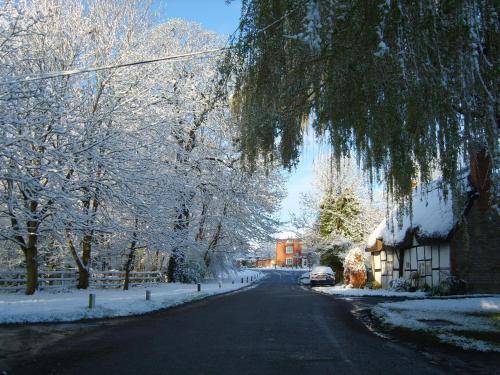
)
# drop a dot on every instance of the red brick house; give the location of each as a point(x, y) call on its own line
point(289, 253)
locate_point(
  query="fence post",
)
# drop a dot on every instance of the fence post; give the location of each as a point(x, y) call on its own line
point(91, 300)
point(247, 279)
point(199, 287)
point(233, 281)
point(148, 295)
point(220, 284)
point(242, 280)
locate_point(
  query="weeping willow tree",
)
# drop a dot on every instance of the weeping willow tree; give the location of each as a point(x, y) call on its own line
point(409, 86)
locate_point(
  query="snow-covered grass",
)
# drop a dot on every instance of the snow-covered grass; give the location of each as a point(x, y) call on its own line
point(72, 305)
point(342, 290)
point(470, 323)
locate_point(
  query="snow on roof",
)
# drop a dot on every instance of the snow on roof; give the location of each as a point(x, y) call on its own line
point(286, 235)
point(432, 217)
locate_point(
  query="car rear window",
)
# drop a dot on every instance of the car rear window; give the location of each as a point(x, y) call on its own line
point(322, 269)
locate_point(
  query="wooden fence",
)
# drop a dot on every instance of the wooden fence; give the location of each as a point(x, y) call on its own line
point(68, 279)
point(116, 279)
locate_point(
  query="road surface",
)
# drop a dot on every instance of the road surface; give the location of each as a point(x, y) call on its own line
point(277, 327)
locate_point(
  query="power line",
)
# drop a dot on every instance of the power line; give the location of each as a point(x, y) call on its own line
point(114, 66)
point(64, 73)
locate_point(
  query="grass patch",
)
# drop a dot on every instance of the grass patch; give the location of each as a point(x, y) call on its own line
point(492, 337)
point(495, 316)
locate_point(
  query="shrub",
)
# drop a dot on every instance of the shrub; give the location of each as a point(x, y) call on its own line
point(426, 288)
point(452, 285)
point(376, 285)
point(400, 284)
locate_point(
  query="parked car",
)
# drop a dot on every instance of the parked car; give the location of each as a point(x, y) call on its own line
point(322, 275)
point(304, 279)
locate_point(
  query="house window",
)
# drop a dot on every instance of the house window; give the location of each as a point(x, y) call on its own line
point(289, 250)
point(421, 269)
point(289, 241)
point(386, 262)
point(428, 268)
point(289, 261)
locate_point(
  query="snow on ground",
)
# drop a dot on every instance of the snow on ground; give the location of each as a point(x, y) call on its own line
point(341, 290)
point(467, 322)
point(72, 305)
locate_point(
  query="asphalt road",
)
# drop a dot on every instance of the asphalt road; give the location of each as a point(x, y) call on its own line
point(277, 327)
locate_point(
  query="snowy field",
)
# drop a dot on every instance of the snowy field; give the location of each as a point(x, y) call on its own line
point(341, 290)
point(73, 304)
point(470, 323)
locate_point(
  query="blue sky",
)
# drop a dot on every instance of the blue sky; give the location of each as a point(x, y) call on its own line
point(213, 15)
point(301, 179)
point(216, 15)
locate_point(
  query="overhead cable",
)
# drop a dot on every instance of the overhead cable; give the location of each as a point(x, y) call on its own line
point(113, 66)
point(64, 73)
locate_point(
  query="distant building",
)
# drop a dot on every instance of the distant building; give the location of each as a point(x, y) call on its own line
point(289, 253)
point(264, 263)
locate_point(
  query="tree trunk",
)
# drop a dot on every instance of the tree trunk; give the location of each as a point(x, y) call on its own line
point(82, 269)
point(156, 261)
point(83, 272)
point(130, 258)
point(215, 239)
point(171, 269)
point(175, 266)
point(128, 266)
point(30, 254)
point(161, 260)
point(204, 208)
point(28, 247)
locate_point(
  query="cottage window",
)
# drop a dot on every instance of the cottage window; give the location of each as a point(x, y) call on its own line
point(390, 268)
point(428, 268)
point(427, 261)
point(289, 250)
point(421, 269)
point(387, 268)
point(289, 261)
point(376, 260)
point(420, 253)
